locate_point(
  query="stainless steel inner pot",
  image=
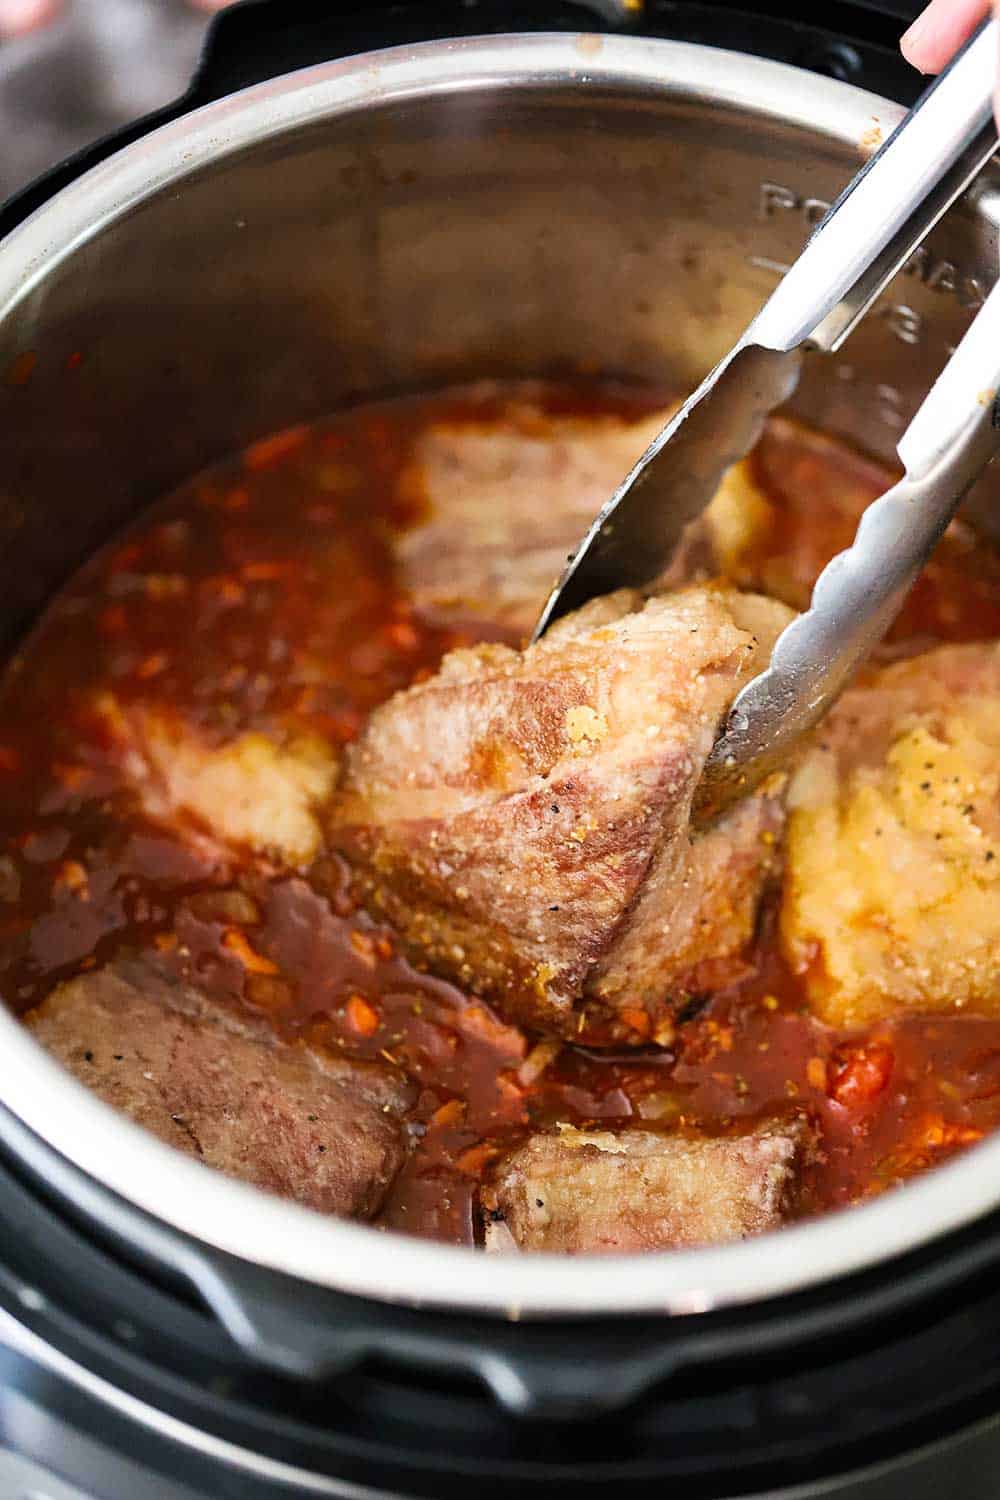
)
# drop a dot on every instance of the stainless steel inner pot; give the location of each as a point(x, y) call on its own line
point(503, 206)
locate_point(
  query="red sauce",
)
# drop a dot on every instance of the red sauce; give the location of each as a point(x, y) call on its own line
point(263, 596)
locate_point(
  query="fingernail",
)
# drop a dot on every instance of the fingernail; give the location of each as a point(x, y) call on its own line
point(912, 37)
point(17, 17)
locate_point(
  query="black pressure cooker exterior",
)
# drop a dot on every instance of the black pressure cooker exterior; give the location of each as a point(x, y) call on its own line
point(119, 1382)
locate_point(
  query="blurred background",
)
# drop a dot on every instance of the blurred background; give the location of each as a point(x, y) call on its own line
point(72, 70)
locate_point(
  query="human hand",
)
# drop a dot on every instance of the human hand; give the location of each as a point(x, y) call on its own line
point(940, 30)
point(19, 17)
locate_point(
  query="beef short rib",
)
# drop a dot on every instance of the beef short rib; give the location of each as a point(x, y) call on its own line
point(322, 1129)
point(592, 1191)
point(522, 818)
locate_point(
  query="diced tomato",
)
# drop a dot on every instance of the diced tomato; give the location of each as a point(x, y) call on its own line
point(452, 1113)
point(859, 1072)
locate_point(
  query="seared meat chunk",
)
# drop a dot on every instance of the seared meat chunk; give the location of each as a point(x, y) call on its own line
point(507, 496)
point(322, 1129)
point(891, 898)
point(590, 1191)
point(522, 818)
point(249, 791)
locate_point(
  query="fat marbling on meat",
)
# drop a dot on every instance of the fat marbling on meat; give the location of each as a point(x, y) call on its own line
point(592, 1191)
point(254, 791)
point(306, 1124)
point(523, 818)
point(506, 494)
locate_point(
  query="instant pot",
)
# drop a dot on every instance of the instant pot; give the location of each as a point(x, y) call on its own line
point(351, 202)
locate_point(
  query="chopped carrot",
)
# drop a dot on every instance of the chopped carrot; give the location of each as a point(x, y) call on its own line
point(9, 759)
point(363, 1018)
point(72, 877)
point(269, 450)
point(364, 946)
point(452, 1113)
point(254, 963)
point(151, 666)
point(165, 942)
point(265, 571)
point(237, 499)
point(816, 1073)
point(402, 635)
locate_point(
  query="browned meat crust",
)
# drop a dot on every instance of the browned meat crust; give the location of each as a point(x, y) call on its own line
point(578, 1191)
point(321, 1129)
point(522, 818)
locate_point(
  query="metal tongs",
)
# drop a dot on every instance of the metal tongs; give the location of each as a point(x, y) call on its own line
point(868, 234)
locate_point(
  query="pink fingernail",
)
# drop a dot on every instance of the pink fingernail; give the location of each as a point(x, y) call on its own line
point(20, 16)
point(913, 36)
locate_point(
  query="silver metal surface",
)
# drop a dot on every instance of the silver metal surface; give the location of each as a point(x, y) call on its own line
point(635, 534)
point(870, 232)
point(958, 1467)
point(31, 1428)
point(21, 1479)
point(388, 222)
point(945, 449)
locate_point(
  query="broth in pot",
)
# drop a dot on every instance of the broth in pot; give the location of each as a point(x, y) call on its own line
point(227, 902)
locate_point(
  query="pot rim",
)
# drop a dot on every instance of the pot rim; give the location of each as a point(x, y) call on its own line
point(247, 1222)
